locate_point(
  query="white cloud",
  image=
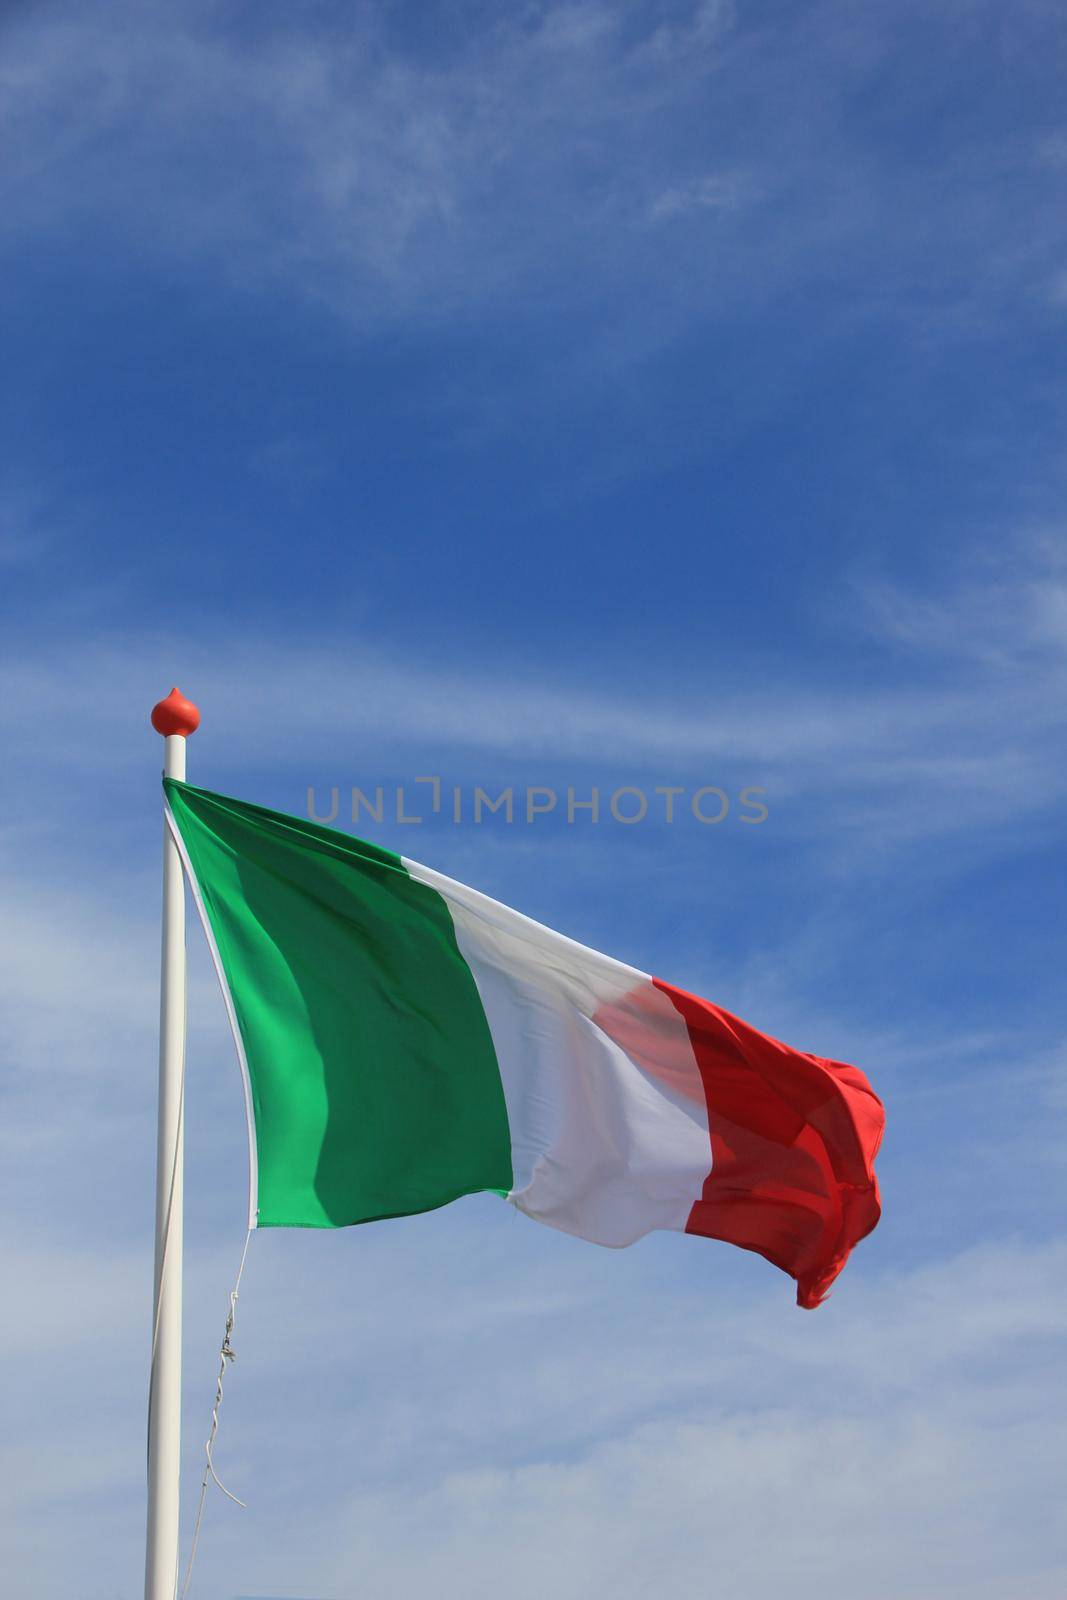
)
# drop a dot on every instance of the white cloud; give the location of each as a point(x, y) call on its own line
point(378, 181)
point(1009, 613)
point(951, 729)
point(480, 1405)
point(517, 165)
point(906, 1445)
point(714, 192)
point(754, 1507)
point(433, 1405)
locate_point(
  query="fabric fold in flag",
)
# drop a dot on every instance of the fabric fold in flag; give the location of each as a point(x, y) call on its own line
point(406, 1040)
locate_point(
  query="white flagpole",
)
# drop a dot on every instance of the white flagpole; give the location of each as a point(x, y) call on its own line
point(175, 718)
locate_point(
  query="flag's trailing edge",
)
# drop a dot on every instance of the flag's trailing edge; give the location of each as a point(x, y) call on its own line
point(406, 1040)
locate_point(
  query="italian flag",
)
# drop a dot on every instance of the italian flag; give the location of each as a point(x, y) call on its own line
point(406, 1040)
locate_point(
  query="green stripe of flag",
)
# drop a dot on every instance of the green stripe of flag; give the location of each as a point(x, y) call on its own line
point(374, 1081)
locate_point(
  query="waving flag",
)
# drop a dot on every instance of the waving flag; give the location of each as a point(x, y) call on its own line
point(406, 1040)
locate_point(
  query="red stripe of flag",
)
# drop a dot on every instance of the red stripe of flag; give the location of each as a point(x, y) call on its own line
point(793, 1142)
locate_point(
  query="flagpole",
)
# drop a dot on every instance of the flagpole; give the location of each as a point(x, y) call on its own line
point(175, 718)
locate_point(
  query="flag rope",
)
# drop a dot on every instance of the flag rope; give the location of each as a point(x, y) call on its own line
point(226, 1353)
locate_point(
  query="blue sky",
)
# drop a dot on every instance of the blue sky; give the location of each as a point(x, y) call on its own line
point(567, 394)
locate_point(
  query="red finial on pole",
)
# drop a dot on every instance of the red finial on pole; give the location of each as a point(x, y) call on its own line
point(175, 714)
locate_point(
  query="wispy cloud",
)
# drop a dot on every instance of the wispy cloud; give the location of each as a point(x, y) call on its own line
point(950, 726)
point(715, 191)
point(631, 1429)
point(1007, 614)
point(519, 163)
